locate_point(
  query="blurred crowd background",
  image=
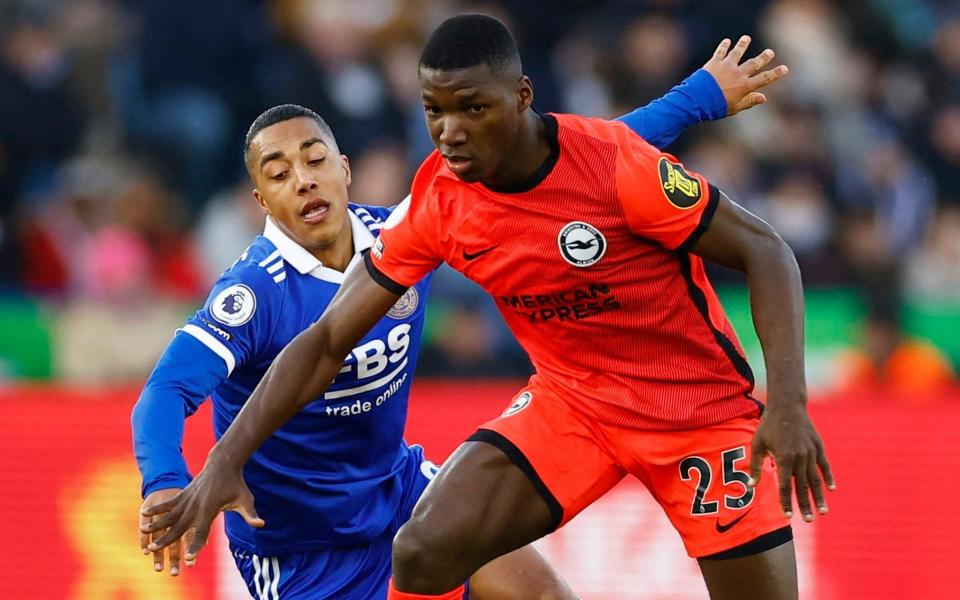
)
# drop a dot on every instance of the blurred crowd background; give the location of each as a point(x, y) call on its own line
point(123, 194)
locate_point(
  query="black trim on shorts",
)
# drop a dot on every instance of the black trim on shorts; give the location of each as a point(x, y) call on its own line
point(700, 300)
point(713, 200)
point(517, 458)
point(378, 276)
point(757, 545)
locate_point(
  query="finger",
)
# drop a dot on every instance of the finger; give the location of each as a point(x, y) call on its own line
point(247, 510)
point(144, 536)
point(175, 557)
point(816, 487)
point(164, 521)
point(172, 534)
point(749, 101)
point(824, 465)
point(756, 463)
point(187, 540)
point(740, 49)
point(803, 489)
point(785, 473)
point(199, 540)
point(158, 561)
point(161, 508)
point(758, 62)
point(721, 52)
point(764, 79)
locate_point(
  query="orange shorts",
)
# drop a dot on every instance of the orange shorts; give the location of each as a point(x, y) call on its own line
point(698, 476)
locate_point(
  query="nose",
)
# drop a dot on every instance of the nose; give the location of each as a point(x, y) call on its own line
point(306, 181)
point(453, 133)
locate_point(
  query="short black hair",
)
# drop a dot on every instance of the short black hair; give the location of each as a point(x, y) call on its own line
point(470, 40)
point(279, 114)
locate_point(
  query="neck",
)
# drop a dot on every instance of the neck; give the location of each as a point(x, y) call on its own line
point(530, 151)
point(337, 254)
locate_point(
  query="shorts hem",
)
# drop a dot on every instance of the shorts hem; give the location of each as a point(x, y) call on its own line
point(499, 441)
point(758, 545)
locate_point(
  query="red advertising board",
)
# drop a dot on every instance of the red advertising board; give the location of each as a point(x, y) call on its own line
point(69, 494)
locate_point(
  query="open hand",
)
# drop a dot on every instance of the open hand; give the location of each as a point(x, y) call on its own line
point(789, 436)
point(217, 488)
point(175, 548)
point(740, 82)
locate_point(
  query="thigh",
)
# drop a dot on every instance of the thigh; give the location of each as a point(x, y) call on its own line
point(699, 477)
point(519, 575)
point(556, 447)
point(515, 480)
point(769, 575)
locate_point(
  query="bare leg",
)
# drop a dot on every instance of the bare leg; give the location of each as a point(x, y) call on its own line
point(480, 506)
point(523, 574)
point(770, 575)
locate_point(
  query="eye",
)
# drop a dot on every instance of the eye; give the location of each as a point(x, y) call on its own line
point(476, 109)
point(313, 162)
point(279, 176)
point(432, 110)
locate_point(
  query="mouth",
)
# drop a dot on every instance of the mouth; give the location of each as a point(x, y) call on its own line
point(314, 212)
point(458, 164)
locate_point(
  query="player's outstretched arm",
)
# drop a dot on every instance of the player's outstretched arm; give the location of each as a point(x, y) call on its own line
point(739, 240)
point(299, 375)
point(723, 87)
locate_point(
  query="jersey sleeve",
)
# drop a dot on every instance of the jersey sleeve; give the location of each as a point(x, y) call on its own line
point(697, 98)
point(184, 376)
point(240, 314)
point(662, 200)
point(407, 249)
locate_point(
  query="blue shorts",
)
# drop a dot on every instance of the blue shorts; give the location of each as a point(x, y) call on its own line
point(360, 573)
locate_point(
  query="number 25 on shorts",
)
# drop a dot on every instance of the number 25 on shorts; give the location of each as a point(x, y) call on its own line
point(695, 466)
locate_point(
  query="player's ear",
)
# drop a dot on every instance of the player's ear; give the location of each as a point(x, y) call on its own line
point(345, 163)
point(524, 93)
point(261, 200)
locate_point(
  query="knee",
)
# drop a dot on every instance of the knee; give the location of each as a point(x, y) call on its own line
point(419, 555)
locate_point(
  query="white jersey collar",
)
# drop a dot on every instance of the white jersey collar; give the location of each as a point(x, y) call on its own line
point(304, 262)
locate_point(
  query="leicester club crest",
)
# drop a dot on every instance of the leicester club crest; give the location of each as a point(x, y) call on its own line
point(406, 305)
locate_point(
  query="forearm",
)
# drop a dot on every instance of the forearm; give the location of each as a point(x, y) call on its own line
point(697, 98)
point(299, 375)
point(184, 376)
point(157, 426)
point(776, 302)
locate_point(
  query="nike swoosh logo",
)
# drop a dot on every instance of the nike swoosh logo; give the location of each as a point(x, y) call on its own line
point(474, 255)
point(726, 528)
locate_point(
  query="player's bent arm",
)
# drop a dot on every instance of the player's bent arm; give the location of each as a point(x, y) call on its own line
point(184, 376)
point(307, 366)
point(737, 239)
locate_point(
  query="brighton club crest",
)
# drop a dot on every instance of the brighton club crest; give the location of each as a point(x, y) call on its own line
point(581, 244)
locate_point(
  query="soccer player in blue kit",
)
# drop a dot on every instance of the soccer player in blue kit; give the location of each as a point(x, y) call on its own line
point(337, 481)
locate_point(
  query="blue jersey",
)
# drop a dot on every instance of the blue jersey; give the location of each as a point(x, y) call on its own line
point(328, 477)
point(332, 477)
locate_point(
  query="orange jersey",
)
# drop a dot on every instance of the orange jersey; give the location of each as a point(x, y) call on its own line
point(588, 262)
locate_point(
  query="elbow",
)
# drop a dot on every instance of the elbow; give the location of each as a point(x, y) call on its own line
point(768, 248)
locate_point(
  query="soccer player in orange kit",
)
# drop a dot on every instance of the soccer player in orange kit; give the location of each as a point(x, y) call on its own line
point(592, 242)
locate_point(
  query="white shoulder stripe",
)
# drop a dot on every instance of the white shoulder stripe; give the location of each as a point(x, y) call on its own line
point(274, 267)
point(213, 344)
point(280, 277)
point(269, 259)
